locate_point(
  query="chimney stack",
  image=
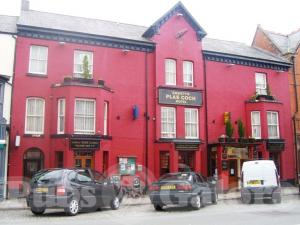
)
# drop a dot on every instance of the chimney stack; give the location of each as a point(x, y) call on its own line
point(25, 5)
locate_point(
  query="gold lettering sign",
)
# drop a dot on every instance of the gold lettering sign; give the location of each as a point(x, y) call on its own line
point(84, 144)
point(180, 97)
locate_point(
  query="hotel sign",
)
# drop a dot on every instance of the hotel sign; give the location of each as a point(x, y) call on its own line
point(85, 144)
point(179, 97)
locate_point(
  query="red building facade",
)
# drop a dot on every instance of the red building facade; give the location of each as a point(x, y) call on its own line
point(131, 100)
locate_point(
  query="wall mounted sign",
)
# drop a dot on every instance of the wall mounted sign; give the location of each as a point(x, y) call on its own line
point(127, 166)
point(179, 97)
point(84, 144)
point(187, 147)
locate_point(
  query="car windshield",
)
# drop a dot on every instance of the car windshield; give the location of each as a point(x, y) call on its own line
point(47, 176)
point(177, 176)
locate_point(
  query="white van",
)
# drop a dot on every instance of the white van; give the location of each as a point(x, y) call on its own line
point(259, 181)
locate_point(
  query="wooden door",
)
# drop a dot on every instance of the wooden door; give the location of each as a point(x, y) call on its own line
point(84, 162)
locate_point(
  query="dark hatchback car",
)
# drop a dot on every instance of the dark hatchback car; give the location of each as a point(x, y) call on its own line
point(72, 190)
point(186, 188)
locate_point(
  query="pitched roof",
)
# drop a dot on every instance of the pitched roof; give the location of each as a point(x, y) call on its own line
point(82, 25)
point(180, 9)
point(285, 43)
point(8, 24)
point(239, 49)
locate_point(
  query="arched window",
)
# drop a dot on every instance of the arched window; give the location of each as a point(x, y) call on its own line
point(33, 161)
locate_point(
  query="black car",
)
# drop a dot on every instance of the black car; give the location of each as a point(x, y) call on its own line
point(72, 190)
point(186, 188)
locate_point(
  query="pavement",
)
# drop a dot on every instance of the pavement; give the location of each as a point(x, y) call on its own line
point(20, 203)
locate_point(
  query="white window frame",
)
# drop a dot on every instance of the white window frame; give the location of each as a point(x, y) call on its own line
point(61, 115)
point(189, 110)
point(78, 74)
point(262, 89)
point(45, 60)
point(76, 131)
point(275, 124)
point(188, 76)
point(26, 116)
point(105, 117)
point(166, 134)
point(253, 125)
point(170, 72)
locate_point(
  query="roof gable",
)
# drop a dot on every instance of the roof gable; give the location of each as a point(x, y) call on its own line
point(179, 8)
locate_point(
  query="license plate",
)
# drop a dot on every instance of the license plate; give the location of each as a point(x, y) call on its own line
point(254, 182)
point(168, 187)
point(41, 190)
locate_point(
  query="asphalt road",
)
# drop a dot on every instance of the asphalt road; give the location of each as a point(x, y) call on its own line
point(225, 212)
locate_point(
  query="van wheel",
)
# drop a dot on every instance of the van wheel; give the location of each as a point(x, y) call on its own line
point(73, 208)
point(158, 207)
point(37, 211)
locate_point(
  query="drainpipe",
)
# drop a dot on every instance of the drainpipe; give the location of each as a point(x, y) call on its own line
point(295, 83)
point(10, 118)
point(146, 121)
point(206, 110)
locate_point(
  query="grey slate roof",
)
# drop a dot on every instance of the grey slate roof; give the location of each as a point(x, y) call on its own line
point(8, 24)
point(82, 25)
point(285, 43)
point(239, 49)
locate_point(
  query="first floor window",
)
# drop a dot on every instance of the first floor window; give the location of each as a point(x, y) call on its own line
point(34, 122)
point(170, 71)
point(105, 120)
point(61, 116)
point(188, 73)
point(261, 83)
point(84, 118)
point(273, 126)
point(83, 63)
point(191, 123)
point(255, 123)
point(38, 59)
point(168, 122)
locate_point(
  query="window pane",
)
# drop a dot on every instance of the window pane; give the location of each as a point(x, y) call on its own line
point(170, 71)
point(84, 116)
point(38, 59)
point(34, 116)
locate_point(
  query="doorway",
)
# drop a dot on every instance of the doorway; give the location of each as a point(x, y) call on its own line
point(164, 161)
point(105, 162)
point(233, 173)
point(33, 162)
point(84, 160)
point(186, 161)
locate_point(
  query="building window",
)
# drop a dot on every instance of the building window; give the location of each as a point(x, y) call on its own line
point(170, 71)
point(255, 123)
point(34, 122)
point(168, 122)
point(105, 119)
point(79, 63)
point(188, 73)
point(191, 123)
point(38, 59)
point(261, 83)
point(273, 126)
point(84, 116)
point(61, 116)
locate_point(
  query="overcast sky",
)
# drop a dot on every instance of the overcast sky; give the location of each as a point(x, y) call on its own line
point(234, 20)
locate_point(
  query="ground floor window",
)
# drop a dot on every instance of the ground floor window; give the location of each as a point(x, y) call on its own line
point(164, 159)
point(33, 161)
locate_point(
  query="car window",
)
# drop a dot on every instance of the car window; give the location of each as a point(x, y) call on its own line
point(176, 176)
point(98, 176)
point(84, 176)
point(48, 176)
point(200, 179)
point(72, 176)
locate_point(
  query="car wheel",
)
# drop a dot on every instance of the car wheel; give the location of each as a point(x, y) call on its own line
point(196, 202)
point(115, 203)
point(73, 208)
point(37, 211)
point(158, 207)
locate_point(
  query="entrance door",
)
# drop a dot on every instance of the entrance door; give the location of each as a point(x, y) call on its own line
point(164, 161)
point(33, 162)
point(84, 160)
point(186, 161)
point(233, 173)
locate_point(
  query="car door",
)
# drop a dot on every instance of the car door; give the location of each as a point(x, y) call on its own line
point(204, 187)
point(100, 186)
point(87, 189)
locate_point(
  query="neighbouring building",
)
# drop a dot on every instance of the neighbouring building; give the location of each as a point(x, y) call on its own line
point(133, 100)
point(287, 46)
point(8, 31)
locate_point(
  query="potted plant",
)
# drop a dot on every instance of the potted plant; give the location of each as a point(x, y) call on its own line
point(241, 130)
point(85, 66)
point(229, 131)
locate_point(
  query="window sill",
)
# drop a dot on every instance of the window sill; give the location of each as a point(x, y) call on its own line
point(37, 75)
point(34, 135)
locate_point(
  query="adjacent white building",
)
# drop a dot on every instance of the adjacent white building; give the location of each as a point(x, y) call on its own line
point(8, 32)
